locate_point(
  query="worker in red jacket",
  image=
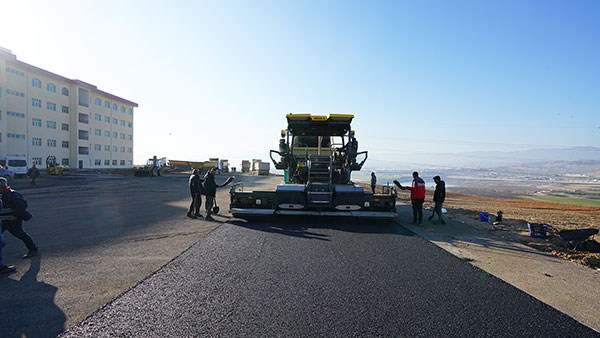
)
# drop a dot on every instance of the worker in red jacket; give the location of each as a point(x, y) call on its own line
point(417, 196)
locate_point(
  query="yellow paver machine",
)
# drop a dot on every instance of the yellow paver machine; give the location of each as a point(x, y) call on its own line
point(318, 155)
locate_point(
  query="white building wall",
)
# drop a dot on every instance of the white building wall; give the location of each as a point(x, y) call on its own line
point(49, 122)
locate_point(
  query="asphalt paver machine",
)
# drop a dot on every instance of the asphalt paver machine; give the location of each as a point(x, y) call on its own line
point(318, 155)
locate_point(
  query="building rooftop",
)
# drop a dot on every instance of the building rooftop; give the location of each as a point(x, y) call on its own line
point(6, 53)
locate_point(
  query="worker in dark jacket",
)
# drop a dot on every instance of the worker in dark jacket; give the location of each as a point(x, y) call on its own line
point(15, 201)
point(4, 268)
point(373, 181)
point(33, 173)
point(438, 197)
point(210, 191)
point(195, 182)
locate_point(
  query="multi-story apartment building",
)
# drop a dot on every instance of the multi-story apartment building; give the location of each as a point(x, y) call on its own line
point(43, 114)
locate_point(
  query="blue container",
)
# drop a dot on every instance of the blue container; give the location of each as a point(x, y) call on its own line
point(484, 216)
point(537, 230)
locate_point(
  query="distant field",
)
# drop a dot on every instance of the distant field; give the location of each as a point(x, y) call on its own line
point(578, 201)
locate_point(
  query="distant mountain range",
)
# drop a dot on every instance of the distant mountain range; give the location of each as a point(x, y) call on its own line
point(583, 160)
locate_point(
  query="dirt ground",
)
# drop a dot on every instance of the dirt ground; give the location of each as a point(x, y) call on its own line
point(517, 212)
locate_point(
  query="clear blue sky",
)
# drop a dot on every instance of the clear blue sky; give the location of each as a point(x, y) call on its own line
point(216, 78)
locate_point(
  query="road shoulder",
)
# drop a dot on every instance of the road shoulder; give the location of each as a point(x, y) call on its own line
point(567, 286)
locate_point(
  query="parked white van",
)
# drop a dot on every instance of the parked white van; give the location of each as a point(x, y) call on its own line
point(16, 163)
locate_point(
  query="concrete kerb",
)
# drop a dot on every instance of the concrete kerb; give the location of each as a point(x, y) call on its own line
point(565, 285)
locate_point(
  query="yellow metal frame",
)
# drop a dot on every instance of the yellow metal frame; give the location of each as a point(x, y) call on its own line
point(319, 117)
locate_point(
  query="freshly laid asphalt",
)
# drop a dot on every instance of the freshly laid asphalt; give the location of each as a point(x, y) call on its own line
point(307, 277)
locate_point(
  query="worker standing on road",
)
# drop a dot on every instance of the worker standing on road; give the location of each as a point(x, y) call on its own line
point(373, 181)
point(15, 201)
point(196, 192)
point(438, 197)
point(33, 173)
point(4, 268)
point(417, 196)
point(210, 191)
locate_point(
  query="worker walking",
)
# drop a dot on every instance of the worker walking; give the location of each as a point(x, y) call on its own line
point(33, 173)
point(373, 182)
point(417, 196)
point(195, 182)
point(15, 201)
point(438, 197)
point(4, 268)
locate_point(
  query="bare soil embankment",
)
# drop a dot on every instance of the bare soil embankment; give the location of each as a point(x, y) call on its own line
point(517, 212)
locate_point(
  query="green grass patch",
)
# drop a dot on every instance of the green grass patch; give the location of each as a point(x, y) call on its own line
point(568, 200)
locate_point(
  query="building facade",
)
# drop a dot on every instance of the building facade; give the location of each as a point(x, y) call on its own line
point(44, 114)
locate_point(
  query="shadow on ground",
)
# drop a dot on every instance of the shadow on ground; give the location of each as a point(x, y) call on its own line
point(312, 227)
point(27, 307)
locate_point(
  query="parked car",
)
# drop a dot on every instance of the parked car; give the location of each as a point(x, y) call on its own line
point(8, 174)
point(16, 163)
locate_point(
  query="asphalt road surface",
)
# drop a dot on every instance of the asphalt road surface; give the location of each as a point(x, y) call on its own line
point(323, 278)
point(98, 236)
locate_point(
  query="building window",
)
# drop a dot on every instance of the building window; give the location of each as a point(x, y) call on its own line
point(65, 109)
point(36, 122)
point(65, 126)
point(122, 109)
point(115, 135)
point(107, 148)
point(52, 143)
point(123, 123)
point(97, 132)
point(84, 118)
point(17, 136)
point(130, 124)
point(51, 106)
point(107, 119)
point(15, 114)
point(98, 102)
point(65, 91)
point(106, 162)
point(51, 87)
point(122, 136)
point(83, 134)
point(107, 133)
point(130, 111)
point(129, 137)
point(15, 93)
point(122, 149)
point(106, 104)
point(115, 121)
point(51, 124)
point(130, 162)
point(122, 162)
point(114, 162)
point(114, 149)
point(36, 141)
point(97, 147)
point(115, 107)
point(65, 144)
point(36, 82)
point(84, 97)
point(83, 151)
point(36, 160)
point(36, 103)
point(14, 71)
point(97, 117)
point(65, 162)
point(129, 149)
point(97, 162)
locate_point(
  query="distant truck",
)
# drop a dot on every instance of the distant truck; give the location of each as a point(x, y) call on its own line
point(260, 168)
point(245, 166)
point(15, 163)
